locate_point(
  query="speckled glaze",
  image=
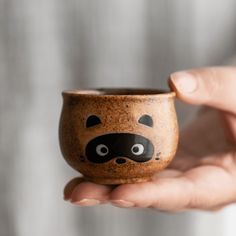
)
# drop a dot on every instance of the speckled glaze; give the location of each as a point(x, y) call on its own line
point(119, 111)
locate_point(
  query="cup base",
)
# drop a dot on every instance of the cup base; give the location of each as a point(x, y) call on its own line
point(116, 181)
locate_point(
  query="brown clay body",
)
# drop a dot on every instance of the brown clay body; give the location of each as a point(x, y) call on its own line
point(116, 136)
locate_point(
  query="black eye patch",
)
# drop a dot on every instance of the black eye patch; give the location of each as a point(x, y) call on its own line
point(106, 147)
point(146, 120)
point(92, 120)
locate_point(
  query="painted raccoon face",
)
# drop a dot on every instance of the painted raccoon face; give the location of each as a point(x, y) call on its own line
point(119, 146)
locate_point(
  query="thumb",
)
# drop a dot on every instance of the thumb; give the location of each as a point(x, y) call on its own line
point(214, 86)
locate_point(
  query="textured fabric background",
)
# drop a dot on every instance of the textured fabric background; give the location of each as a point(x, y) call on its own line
point(50, 45)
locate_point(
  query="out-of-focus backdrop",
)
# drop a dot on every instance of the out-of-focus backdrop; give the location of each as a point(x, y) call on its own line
point(50, 45)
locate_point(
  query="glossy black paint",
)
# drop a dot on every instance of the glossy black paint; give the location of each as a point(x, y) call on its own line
point(146, 120)
point(119, 146)
point(92, 120)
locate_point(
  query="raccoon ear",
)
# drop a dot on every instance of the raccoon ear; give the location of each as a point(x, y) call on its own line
point(92, 120)
point(146, 120)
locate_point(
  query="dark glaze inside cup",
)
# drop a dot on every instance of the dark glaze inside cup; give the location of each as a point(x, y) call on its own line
point(120, 91)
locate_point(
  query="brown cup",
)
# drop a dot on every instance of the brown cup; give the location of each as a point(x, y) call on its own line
point(117, 136)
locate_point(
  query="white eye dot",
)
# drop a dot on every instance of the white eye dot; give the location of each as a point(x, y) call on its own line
point(137, 149)
point(102, 150)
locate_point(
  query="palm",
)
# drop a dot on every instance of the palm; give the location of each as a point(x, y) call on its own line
point(204, 139)
point(205, 161)
point(204, 164)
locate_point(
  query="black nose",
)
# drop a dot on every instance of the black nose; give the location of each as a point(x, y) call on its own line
point(120, 160)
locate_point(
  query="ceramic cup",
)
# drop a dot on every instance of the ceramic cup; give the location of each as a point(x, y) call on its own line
point(116, 136)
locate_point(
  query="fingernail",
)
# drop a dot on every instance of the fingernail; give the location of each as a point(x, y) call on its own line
point(86, 202)
point(122, 203)
point(184, 82)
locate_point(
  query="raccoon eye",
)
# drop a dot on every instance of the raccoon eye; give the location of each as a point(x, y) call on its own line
point(137, 149)
point(102, 150)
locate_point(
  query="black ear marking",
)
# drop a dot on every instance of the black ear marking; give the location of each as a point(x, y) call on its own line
point(146, 120)
point(92, 120)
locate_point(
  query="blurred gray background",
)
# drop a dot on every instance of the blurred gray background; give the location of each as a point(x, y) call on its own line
point(50, 45)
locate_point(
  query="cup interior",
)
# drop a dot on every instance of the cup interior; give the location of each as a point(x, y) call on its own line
point(120, 92)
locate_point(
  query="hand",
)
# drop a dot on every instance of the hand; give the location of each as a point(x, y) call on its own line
point(203, 173)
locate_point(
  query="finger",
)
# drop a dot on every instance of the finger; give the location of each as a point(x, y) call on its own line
point(213, 86)
point(70, 186)
point(200, 188)
point(167, 194)
point(217, 208)
point(90, 194)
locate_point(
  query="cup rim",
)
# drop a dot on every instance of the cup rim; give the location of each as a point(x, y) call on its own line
point(118, 92)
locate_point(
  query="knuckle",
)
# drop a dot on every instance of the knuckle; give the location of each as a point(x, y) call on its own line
point(228, 162)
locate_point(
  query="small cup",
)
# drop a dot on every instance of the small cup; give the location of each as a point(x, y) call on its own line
point(118, 136)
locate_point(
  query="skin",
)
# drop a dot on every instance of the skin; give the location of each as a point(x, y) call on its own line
point(203, 173)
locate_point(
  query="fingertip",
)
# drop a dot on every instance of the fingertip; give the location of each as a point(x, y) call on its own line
point(89, 190)
point(121, 196)
point(183, 82)
point(122, 203)
point(86, 202)
point(122, 191)
point(132, 195)
point(70, 186)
